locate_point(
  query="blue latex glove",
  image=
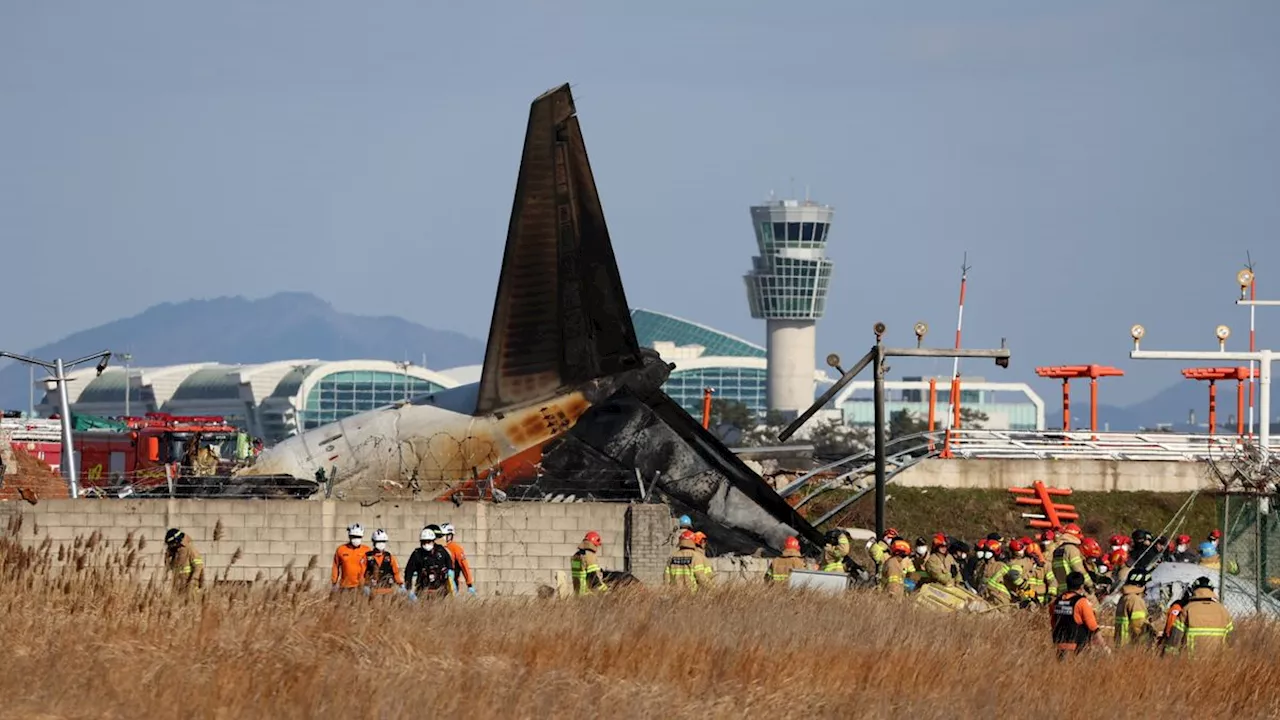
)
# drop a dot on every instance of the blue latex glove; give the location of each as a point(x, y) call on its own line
point(413, 597)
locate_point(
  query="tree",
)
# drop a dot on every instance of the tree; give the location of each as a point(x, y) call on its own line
point(832, 438)
point(972, 419)
point(732, 413)
point(904, 422)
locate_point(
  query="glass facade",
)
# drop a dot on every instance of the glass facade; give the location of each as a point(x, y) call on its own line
point(860, 412)
point(791, 276)
point(343, 394)
point(745, 385)
point(654, 327)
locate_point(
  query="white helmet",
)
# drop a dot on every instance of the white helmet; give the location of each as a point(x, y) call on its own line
point(446, 529)
point(355, 530)
point(427, 535)
point(379, 535)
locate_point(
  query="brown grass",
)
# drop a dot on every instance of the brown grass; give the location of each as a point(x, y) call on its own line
point(88, 638)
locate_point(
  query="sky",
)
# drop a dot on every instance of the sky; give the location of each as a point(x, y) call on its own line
point(1102, 163)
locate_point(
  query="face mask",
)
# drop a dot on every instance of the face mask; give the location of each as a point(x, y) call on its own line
point(355, 542)
point(1182, 548)
point(921, 549)
point(379, 546)
point(1021, 553)
point(428, 545)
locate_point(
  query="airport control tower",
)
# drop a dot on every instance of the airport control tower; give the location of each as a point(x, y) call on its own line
point(787, 287)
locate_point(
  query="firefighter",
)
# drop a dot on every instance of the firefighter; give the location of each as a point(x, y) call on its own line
point(706, 574)
point(348, 561)
point(381, 572)
point(1132, 626)
point(779, 572)
point(921, 553)
point(1032, 589)
point(588, 578)
point(959, 551)
point(1049, 542)
point(1001, 581)
point(429, 571)
point(1143, 554)
point(1182, 551)
point(894, 571)
point(879, 550)
point(462, 568)
point(1095, 569)
point(184, 561)
point(1215, 537)
point(684, 568)
point(1068, 558)
point(1072, 621)
point(940, 567)
point(835, 551)
point(1203, 624)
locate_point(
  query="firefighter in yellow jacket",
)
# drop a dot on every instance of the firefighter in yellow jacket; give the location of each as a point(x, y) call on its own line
point(779, 572)
point(584, 567)
point(706, 574)
point(1204, 624)
point(1132, 626)
point(940, 567)
point(893, 572)
point(184, 561)
point(835, 551)
point(1068, 558)
point(683, 569)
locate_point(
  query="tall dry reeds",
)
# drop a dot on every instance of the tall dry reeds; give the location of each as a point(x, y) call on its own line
point(89, 637)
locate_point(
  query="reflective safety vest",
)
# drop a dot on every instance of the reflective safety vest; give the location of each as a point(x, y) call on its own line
point(1066, 562)
point(1131, 618)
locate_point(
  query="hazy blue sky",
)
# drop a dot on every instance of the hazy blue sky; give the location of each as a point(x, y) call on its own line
point(1102, 163)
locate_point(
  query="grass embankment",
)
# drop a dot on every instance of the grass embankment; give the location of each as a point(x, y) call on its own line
point(94, 642)
point(971, 514)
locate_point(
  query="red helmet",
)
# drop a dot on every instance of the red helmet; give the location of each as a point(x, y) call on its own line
point(791, 543)
point(1017, 545)
point(1215, 535)
point(1117, 557)
point(891, 533)
point(687, 535)
point(1048, 536)
point(900, 547)
point(1184, 539)
point(1073, 529)
point(1091, 548)
point(1026, 541)
point(593, 537)
point(939, 540)
point(1117, 540)
point(993, 546)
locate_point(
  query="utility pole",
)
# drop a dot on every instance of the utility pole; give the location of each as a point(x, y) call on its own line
point(876, 355)
point(1262, 357)
point(128, 380)
point(59, 370)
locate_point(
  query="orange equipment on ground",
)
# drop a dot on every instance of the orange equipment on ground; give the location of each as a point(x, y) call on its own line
point(706, 407)
point(1055, 514)
point(1213, 375)
point(1066, 373)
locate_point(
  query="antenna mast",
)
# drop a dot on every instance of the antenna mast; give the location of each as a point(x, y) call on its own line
point(953, 417)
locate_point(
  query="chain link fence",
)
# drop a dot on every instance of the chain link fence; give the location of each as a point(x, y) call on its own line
point(1249, 576)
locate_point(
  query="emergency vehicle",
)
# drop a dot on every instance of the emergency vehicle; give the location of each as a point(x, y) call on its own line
point(146, 451)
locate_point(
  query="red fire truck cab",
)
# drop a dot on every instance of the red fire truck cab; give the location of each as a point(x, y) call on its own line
point(147, 451)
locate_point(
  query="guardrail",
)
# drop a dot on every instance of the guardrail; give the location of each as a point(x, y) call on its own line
point(994, 444)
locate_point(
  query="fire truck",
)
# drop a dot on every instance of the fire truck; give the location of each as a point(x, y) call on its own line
point(147, 451)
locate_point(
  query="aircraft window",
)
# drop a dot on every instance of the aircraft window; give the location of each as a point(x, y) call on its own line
point(806, 232)
point(793, 231)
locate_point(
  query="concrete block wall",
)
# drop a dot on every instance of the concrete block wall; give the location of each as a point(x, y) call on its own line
point(513, 547)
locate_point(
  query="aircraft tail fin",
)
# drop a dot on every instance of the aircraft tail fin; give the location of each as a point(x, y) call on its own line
point(560, 317)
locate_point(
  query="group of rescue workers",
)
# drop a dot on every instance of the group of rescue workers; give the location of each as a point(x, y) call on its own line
point(1061, 569)
point(437, 568)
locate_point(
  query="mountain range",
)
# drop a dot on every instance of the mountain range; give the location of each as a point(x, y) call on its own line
point(283, 326)
point(291, 325)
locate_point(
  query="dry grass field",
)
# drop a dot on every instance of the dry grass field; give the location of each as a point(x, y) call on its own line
point(85, 638)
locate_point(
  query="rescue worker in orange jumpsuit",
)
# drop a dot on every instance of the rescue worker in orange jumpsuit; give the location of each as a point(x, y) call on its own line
point(462, 571)
point(683, 566)
point(894, 571)
point(584, 567)
point(779, 572)
point(940, 567)
point(348, 561)
point(183, 561)
point(1072, 620)
point(1132, 626)
point(381, 572)
point(1203, 625)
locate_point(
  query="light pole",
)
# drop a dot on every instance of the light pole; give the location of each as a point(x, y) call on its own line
point(59, 370)
point(1248, 282)
point(404, 377)
point(876, 355)
point(128, 380)
point(1262, 357)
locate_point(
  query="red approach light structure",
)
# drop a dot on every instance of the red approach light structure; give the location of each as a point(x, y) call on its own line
point(1067, 373)
point(1212, 376)
point(1055, 514)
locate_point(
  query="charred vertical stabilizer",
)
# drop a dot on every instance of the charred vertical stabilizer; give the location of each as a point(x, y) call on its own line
point(560, 318)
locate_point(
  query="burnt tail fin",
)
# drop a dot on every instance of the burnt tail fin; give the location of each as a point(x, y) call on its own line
point(560, 317)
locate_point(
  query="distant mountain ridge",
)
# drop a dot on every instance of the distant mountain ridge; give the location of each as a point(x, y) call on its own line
point(235, 329)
